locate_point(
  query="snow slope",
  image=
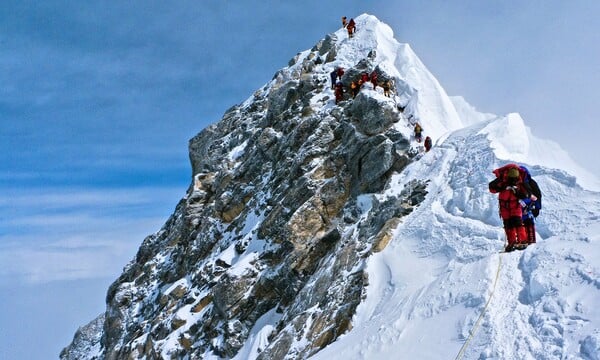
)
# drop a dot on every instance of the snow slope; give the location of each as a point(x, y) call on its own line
point(428, 288)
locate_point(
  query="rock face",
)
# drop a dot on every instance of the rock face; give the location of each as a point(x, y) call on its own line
point(86, 341)
point(273, 233)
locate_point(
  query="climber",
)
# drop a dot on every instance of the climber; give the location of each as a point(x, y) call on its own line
point(340, 72)
point(528, 220)
point(386, 88)
point(351, 27)
point(344, 21)
point(374, 79)
point(339, 92)
point(354, 87)
point(511, 194)
point(427, 144)
point(418, 132)
point(533, 204)
point(333, 76)
point(364, 78)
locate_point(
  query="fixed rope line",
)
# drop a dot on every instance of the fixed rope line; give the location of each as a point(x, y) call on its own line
point(476, 325)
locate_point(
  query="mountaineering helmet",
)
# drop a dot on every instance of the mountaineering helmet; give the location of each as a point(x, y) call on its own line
point(513, 173)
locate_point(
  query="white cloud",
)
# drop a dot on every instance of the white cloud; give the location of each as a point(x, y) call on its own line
point(66, 234)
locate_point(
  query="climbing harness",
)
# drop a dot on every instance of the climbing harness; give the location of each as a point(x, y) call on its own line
point(476, 325)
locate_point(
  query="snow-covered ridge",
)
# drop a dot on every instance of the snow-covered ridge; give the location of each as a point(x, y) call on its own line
point(513, 141)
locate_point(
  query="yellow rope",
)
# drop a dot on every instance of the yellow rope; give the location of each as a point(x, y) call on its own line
point(474, 328)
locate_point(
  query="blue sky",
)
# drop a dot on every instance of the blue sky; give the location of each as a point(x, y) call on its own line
point(99, 99)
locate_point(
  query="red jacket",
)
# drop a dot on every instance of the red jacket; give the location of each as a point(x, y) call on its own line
point(428, 143)
point(508, 194)
point(364, 77)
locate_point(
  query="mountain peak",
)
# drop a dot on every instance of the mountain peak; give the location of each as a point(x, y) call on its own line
point(316, 225)
point(418, 89)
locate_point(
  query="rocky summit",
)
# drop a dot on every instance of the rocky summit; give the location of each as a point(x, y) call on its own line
point(282, 212)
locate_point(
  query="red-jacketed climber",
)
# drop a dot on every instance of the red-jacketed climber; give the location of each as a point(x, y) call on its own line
point(511, 194)
point(351, 27)
point(427, 144)
point(374, 79)
point(339, 92)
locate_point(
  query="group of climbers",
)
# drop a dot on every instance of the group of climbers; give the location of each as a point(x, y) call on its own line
point(336, 84)
point(365, 77)
point(356, 85)
point(336, 74)
point(520, 201)
point(349, 25)
point(418, 130)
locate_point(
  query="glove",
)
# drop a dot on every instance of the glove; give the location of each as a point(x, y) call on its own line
point(522, 203)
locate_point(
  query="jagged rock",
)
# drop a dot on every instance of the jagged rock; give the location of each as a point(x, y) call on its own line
point(178, 292)
point(382, 239)
point(202, 304)
point(325, 45)
point(176, 323)
point(372, 116)
point(377, 161)
point(86, 341)
point(229, 293)
point(185, 342)
point(232, 208)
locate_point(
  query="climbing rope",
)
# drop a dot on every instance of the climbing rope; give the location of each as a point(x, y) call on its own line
point(476, 325)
